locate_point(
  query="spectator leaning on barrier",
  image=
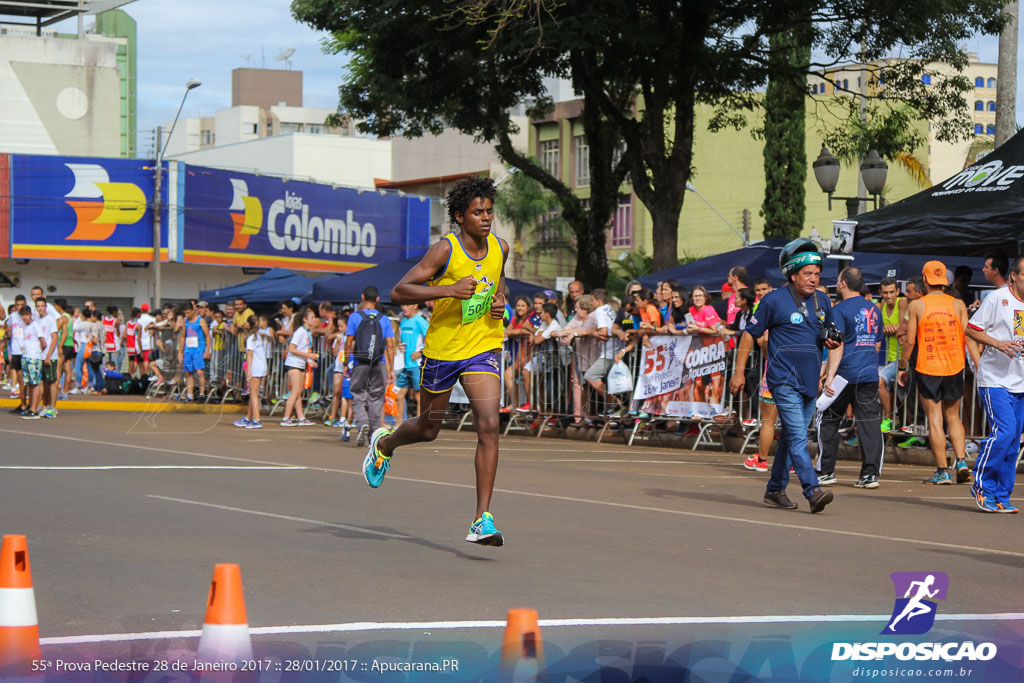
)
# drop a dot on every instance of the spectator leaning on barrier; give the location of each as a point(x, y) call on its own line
point(541, 356)
point(597, 373)
point(518, 331)
point(705, 319)
point(997, 325)
point(575, 292)
point(737, 281)
point(860, 323)
point(582, 358)
point(935, 329)
point(799, 321)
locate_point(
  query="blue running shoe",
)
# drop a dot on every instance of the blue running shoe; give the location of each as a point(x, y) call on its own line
point(376, 464)
point(344, 433)
point(243, 423)
point(254, 424)
point(987, 504)
point(483, 532)
point(939, 479)
point(1006, 508)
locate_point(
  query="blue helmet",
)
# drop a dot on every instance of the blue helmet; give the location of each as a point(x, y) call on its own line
point(799, 253)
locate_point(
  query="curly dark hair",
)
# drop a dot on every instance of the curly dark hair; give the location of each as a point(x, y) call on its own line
point(465, 191)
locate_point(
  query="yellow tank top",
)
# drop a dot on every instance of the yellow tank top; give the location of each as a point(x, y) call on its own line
point(940, 339)
point(461, 329)
point(891, 318)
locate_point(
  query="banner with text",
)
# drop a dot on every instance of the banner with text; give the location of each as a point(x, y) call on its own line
point(241, 219)
point(682, 376)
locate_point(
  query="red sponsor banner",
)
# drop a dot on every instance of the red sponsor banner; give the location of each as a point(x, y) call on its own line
point(5, 205)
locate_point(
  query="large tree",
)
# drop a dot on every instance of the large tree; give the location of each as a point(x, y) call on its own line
point(642, 67)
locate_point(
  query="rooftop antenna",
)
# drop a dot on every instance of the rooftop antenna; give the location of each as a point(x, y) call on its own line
point(284, 57)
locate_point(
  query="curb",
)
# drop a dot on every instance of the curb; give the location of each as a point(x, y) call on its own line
point(154, 406)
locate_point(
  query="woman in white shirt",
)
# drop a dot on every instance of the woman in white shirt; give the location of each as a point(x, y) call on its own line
point(298, 358)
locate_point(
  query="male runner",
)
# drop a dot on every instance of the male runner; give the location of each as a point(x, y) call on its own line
point(936, 329)
point(465, 276)
point(998, 325)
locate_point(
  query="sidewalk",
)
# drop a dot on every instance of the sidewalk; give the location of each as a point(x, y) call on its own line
point(134, 404)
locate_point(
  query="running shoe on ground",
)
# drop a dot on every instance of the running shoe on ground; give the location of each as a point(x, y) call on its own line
point(779, 499)
point(254, 425)
point(62, 396)
point(827, 479)
point(330, 423)
point(344, 433)
point(939, 479)
point(886, 426)
point(987, 504)
point(75, 390)
point(913, 442)
point(289, 422)
point(362, 435)
point(243, 423)
point(1006, 508)
point(49, 412)
point(29, 415)
point(868, 482)
point(963, 473)
point(755, 464)
point(852, 441)
point(525, 408)
point(375, 464)
point(305, 423)
point(483, 532)
point(819, 499)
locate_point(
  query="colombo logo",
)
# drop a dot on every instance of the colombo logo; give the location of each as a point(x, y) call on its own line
point(246, 214)
point(100, 205)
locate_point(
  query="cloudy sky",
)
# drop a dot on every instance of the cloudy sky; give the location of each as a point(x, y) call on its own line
point(181, 40)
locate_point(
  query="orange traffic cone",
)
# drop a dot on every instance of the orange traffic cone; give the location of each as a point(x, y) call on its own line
point(225, 635)
point(522, 640)
point(19, 626)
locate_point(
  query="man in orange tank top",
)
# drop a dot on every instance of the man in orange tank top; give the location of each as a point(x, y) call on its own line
point(935, 327)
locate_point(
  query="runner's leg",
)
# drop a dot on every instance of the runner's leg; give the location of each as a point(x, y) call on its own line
point(484, 391)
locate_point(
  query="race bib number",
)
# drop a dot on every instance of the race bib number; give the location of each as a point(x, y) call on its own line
point(191, 342)
point(477, 306)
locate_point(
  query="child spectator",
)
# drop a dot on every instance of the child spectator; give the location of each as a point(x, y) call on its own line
point(257, 353)
point(299, 357)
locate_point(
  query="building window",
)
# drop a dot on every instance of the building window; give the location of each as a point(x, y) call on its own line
point(291, 128)
point(978, 129)
point(207, 137)
point(315, 129)
point(979, 82)
point(979, 106)
point(926, 79)
point(990, 129)
point(252, 128)
point(622, 224)
point(270, 127)
point(991, 82)
point(549, 156)
point(991, 106)
point(846, 84)
point(582, 161)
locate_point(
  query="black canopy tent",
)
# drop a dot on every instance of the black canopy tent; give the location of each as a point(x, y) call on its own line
point(978, 209)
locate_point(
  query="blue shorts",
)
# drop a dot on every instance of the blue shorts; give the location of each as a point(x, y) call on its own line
point(440, 376)
point(346, 389)
point(408, 378)
point(194, 360)
point(888, 371)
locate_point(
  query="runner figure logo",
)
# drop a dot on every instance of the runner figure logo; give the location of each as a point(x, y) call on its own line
point(914, 612)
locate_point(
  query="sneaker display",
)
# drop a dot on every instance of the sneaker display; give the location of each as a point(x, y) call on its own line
point(827, 479)
point(243, 423)
point(254, 425)
point(963, 472)
point(779, 499)
point(375, 464)
point(939, 479)
point(361, 435)
point(289, 422)
point(886, 426)
point(868, 482)
point(483, 532)
point(819, 499)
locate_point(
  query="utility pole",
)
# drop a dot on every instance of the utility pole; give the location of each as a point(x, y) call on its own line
point(1006, 78)
point(746, 227)
point(157, 187)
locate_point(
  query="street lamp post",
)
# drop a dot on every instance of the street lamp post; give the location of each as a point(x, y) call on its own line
point(157, 187)
point(873, 171)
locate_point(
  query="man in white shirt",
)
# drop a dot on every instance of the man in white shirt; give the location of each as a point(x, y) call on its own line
point(998, 326)
point(145, 321)
point(605, 318)
point(47, 326)
point(37, 293)
point(541, 354)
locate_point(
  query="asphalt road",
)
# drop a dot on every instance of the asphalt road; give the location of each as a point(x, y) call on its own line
point(592, 532)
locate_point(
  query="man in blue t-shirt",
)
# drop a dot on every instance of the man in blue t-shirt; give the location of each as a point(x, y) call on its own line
point(413, 331)
point(794, 315)
point(860, 321)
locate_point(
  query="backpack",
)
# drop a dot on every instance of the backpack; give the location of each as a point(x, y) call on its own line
point(369, 344)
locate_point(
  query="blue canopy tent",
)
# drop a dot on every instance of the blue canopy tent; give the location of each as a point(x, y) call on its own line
point(349, 288)
point(272, 286)
point(762, 259)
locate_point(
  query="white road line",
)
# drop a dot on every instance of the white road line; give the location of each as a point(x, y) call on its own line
point(260, 513)
point(151, 467)
point(874, 538)
point(545, 623)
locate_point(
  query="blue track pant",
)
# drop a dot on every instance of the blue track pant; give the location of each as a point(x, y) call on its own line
point(996, 466)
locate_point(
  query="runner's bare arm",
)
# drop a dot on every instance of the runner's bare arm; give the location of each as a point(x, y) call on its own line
point(498, 300)
point(411, 290)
